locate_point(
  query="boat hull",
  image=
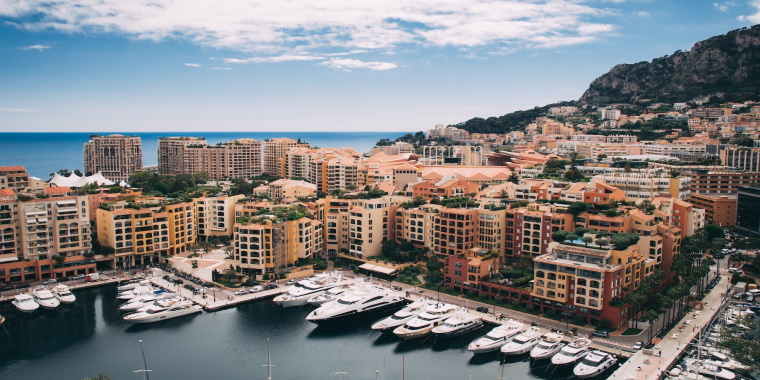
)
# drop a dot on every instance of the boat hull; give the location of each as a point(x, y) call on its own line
point(163, 317)
point(391, 306)
point(460, 332)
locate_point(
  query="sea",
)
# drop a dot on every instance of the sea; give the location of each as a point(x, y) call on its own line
point(45, 153)
point(89, 338)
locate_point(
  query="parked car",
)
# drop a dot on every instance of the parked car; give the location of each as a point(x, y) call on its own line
point(251, 283)
point(601, 334)
point(638, 345)
point(270, 287)
point(78, 277)
point(6, 288)
point(255, 289)
point(22, 285)
point(482, 309)
point(291, 281)
point(50, 281)
point(241, 292)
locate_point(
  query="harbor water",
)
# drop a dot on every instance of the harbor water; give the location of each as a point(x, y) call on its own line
point(90, 338)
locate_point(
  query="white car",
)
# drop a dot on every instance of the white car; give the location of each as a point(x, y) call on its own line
point(241, 292)
point(255, 289)
point(638, 345)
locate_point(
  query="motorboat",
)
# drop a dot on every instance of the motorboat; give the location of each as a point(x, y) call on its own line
point(299, 293)
point(131, 285)
point(402, 316)
point(709, 370)
point(329, 295)
point(45, 298)
point(63, 294)
point(461, 323)
point(423, 324)
point(496, 338)
point(572, 352)
point(139, 302)
point(594, 364)
point(522, 343)
point(25, 303)
point(549, 345)
point(359, 300)
point(163, 311)
point(138, 291)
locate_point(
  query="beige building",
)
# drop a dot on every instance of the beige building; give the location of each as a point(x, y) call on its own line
point(115, 156)
point(215, 216)
point(14, 177)
point(286, 188)
point(236, 158)
point(171, 153)
point(275, 153)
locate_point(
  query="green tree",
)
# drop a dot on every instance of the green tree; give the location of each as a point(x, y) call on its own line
point(434, 274)
point(587, 239)
point(741, 348)
point(524, 262)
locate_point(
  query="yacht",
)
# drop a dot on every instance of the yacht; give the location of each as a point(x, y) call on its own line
point(709, 370)
point(496, 338)
point(63, 294)
point(25, 303)
point(423, 324)
point(131, 285)
point(45, 298)
point(357, 301)
point(459, 324)
point(522, 343)
point(139, 302)
point(163, 311)
point(573, 352)
point(137, 292)
point(299, 293)
point(594, 364)
point(549, 345)
point(402, 316)
point(329, 295)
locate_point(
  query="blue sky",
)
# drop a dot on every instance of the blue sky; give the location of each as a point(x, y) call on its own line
point(328, 65)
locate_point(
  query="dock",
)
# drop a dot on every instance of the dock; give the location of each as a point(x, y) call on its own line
point(215, 299)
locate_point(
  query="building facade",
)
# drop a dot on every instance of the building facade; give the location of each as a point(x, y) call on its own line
point(115, 156)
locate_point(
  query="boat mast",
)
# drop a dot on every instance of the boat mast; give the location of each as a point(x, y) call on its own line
point(269, 364)
point(340, 372)
point(145, 369)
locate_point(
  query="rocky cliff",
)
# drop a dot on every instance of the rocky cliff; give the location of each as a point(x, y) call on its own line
point(727, 65)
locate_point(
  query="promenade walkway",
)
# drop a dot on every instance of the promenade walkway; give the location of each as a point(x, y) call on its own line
point(645, 364)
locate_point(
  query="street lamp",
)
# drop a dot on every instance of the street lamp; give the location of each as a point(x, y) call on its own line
point(567, 316)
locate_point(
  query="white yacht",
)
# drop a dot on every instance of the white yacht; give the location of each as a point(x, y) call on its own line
point(132, 285)
point(63, 294)
point(594, 364)
point(25, 303)
point(142, 301)
point(45, 298)
point(459, 324)
point(137, 292)
point(163, 311)
point(573, 352)
point(496, 338)
point(549, 345)
point(402, 316)
point(329, 295)
point(522, 343)
point(709, 370)
point(299, 293)
point(423, 324)
point(357, 301)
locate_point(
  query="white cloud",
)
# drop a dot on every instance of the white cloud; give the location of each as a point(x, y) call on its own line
point(642, 14)
point(725, 6)
point(280, 58)
point(192, 64)
point(221, 68)
point(753, 18)
point(286, 28)
point(15, 110)
point(348, 64)
point(37, 47)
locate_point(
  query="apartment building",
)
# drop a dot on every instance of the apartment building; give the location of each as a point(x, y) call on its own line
point(266, 247)
point(747, 159)
point(287, 188)
point(343, 173)
point(456, 231)
point(14, 177)
point(416, 225)
point(215, 216)
point(357, 227)
point(639, 186)
point(138, 236)
point(720, 182)
point(171, 154)
point(583, 280)
point(748, 209)
point(236, 158)
point(719, 208)
point(181, 223)
point(467, 271)
point(444, 188)
point(529, 230)
point(116, 157)
point(677, 213)
point(275, 152)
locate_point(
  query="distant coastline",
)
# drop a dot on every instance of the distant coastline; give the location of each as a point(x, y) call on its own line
point(45, 152)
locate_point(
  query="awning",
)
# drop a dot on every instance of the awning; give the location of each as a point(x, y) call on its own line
point(377, 268)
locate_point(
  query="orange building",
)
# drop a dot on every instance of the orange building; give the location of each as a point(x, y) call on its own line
point(444, 188)
point(719, 209)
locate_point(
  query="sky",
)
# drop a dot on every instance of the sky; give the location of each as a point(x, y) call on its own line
point(327, 65)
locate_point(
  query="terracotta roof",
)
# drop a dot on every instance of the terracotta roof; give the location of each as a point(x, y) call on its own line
point(7, 193)
point(57, 190)
point(12, 168)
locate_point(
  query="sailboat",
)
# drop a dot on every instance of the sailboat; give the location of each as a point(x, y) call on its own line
point(340, 372)
point(145, 369)
point(269, 364)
